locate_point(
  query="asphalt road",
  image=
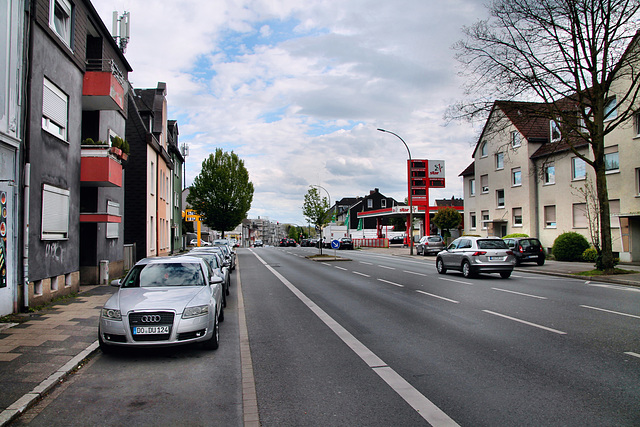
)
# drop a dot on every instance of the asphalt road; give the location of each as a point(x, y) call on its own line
point(380, 341)
point(528, 350)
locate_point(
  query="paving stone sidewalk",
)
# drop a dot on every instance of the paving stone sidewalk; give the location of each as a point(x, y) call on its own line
point(41, 351)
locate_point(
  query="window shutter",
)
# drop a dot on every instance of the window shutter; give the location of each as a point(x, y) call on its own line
point(55, 212)
point(54, 105)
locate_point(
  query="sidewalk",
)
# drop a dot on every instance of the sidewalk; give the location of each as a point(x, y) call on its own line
point(37, 354)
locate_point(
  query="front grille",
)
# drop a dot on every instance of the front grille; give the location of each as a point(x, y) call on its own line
point(155, 318)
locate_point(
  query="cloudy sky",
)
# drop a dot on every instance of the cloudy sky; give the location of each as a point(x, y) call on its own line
point(298, 88)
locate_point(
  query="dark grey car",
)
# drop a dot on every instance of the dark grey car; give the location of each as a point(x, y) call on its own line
point(472, 255)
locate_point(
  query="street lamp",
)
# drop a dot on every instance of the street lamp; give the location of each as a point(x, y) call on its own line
point(409, 187)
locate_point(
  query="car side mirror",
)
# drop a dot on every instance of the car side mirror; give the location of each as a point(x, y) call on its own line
point(215, 279)
point(115, 283)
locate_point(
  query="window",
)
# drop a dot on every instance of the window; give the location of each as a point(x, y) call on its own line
point(55, 213)
point(472, 187)
point(152, 234)
point(578, 169)
point(370, 203)
point(580, 215)
point(383, 203)
point(517, 217)
point(151, 180)
point(500, 198)
point(500, 161)
point(636, 123)
point(614, 210)
point(485, 219)
point(550, 174)
point(472, 220)
point(638, 181)
point(515, 139)
point(516, 177)
point(60, 19)
point(484, 183)
point(556, 135)
point(483, 149)
point(54, 110)
point(550, 216)
point(113, 208)
point(611, 109)
point(611, 160)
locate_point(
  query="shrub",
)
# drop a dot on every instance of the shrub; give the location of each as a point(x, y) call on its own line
point(88, 141)
point(569, 246)
point(590, 255)
point(515, 235)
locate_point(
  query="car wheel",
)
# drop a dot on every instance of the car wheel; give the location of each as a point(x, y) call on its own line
point(540, 261)
point(440, 266)
point(226, 288)
point(213, 342)
point(224, 300)
point(518, 262)
point(221, 316)
point(505, 274)
point(466, 269)
point(424, 253)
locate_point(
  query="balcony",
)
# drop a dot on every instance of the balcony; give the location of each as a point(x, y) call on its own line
point(100, 217)
point(103, 87)
point(100, 168)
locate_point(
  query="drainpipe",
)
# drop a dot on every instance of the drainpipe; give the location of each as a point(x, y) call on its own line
point(536, 204)
point(25, 237)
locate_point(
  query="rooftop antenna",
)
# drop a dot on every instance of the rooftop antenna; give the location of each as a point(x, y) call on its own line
point(120, 29)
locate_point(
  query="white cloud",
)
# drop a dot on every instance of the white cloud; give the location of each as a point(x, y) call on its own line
point(298, 89)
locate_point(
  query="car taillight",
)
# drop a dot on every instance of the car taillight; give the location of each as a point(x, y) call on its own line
point(478, 253)
point(511, 252)
point(521, 250)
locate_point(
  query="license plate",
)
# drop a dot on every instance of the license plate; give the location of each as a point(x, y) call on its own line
point(495, 258)
point(150, 330)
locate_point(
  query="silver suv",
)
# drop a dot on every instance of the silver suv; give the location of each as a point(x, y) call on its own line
point(472, 255)
point(429, 245)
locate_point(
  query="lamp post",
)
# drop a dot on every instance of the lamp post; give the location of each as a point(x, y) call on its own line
point(410, 231)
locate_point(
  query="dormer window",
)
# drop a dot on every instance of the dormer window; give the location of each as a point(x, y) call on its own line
point(556, 135)
point(611, 109)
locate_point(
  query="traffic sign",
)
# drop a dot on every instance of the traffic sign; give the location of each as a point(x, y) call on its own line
point(335, 244)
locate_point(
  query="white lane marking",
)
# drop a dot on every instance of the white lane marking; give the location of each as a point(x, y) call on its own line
point(340, 268)
point(388, 268)
point(413, 272)
point(631, 353)
point(457, 281)
point(326, 263)
point(525, 322)
point(423, 406)
point(611, 311)
point(365, 263)
point(518, 293)
point(361, 274)
point(439, 297)
point(392, 283)
point(618, 287)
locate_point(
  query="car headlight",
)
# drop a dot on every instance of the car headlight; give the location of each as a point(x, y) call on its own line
point(199, 310)
point(111, 314)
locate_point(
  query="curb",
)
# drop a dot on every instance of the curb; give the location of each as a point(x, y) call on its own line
point(28, 400)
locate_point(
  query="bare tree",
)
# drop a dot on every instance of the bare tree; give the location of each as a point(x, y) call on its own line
point(576, 58)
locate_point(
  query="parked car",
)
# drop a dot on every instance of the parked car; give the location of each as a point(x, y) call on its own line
point(217, 266)
point(396, 240)
point(229, 255)
point(258, 243)
point(163, 301)
point(194, 242)
point(526, 249)
point(283, 242)
point(472, 255)
point(429, 245)
point(346, 243)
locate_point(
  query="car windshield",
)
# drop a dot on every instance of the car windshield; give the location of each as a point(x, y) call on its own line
point(160, 275)
point(492, 244)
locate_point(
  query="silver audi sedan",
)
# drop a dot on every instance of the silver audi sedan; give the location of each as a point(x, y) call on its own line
point(161, 302)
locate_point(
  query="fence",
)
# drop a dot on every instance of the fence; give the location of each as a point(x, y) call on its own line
point(371, 243)
point(129, 256)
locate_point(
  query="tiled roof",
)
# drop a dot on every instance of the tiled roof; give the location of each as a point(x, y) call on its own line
point(470, 170)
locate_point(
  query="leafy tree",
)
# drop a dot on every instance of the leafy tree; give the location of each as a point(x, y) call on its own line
point(446, 219)
point(222, 192)
point(315, 208)
point(577, 58)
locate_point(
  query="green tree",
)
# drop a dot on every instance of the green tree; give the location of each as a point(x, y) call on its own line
point(315, 208)
point(446, 219)
point(222, 192)
point(577, 59)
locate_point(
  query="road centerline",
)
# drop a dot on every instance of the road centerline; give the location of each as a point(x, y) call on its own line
point(535, 325)
point(438, 296)
point(518, 293)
